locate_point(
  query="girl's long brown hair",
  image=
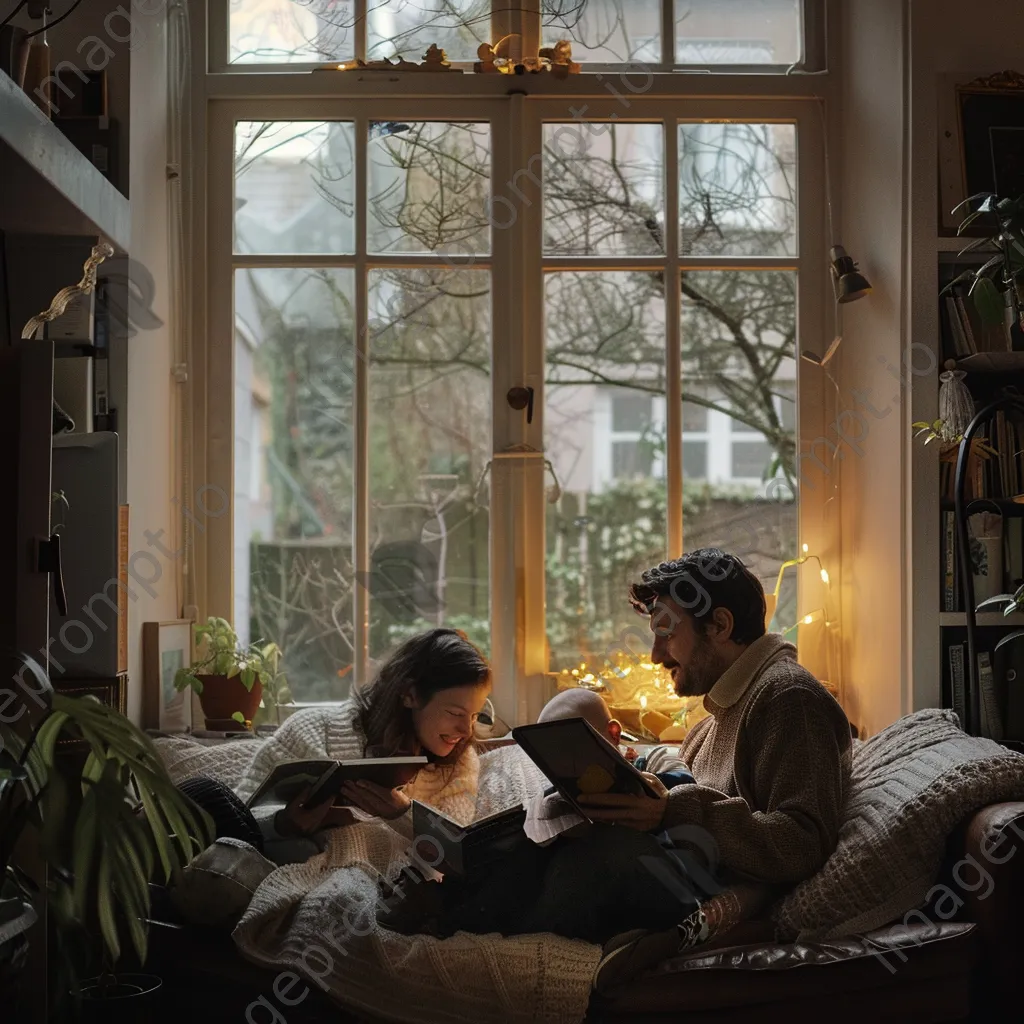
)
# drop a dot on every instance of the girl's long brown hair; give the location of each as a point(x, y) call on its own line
point(439, 659)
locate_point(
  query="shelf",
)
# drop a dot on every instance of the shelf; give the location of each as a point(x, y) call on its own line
point(984, 619)
point(992, 362)
point(1006, 506)
point(49, 186)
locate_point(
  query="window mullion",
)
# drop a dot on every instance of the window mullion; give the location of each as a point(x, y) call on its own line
point(359, 36)
point(529, 18)
point(668, 33)
point(673, 347)
point(361, 446)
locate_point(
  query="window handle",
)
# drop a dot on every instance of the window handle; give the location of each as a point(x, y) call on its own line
point(521, 398)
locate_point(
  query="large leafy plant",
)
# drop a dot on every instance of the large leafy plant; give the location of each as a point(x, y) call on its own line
point(996, 286)
point(222, 654)
point(107, 816)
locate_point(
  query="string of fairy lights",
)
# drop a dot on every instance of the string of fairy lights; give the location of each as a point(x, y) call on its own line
point(645, 690)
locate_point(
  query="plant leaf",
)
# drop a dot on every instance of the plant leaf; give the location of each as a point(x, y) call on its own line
point(238, 717)
point(988, 301)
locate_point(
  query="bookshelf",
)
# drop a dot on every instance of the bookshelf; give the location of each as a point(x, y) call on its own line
point(993, 510)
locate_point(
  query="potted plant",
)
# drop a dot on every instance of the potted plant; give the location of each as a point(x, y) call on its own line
point(107, 819)
point(997, 286)
point(228, 676)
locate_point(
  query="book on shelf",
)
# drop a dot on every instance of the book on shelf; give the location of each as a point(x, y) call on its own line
point(957, 682)
point(963, 332)
point(991, 716)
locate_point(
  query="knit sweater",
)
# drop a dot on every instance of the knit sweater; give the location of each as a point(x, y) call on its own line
point(772, 766)
point(333, 733)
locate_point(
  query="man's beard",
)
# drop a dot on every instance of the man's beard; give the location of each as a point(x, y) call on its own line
point(701, 672)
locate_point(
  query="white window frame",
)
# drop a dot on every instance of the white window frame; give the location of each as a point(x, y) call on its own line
point(518, 477)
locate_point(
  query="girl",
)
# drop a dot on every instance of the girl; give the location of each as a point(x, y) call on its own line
point(425, 700)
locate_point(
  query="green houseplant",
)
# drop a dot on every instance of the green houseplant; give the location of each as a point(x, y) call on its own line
point(997, 285)
point(106, 818)
point(229, 676)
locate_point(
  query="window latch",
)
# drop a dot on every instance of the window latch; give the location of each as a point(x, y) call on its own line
point(521, 398)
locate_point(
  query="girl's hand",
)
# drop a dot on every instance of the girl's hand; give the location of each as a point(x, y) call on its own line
point(299, 820)
point(376, 800)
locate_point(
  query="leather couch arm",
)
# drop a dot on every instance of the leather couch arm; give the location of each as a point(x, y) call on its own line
point(987, 874)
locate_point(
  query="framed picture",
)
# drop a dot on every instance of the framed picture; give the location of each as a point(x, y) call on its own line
point(991, 120)
point(166, 647)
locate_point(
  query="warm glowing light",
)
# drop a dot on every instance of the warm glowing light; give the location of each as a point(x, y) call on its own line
point(589, 677)
point(643, 700)
point(646, 666)
point(808, 619)
point(824, 576)
point(805, 549)
point(575, 671)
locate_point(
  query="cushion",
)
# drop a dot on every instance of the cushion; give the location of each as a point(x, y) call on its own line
point(217, 885)
point(911, 785)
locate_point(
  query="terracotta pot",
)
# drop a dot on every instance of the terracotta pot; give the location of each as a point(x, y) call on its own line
point(222, 697)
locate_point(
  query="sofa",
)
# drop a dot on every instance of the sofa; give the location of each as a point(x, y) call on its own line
point(954, 958)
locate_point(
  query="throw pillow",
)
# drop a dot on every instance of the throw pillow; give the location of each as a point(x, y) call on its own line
point(911, 785)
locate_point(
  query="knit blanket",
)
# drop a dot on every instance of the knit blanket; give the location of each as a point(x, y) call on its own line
point(912, 784)
point(318, 919)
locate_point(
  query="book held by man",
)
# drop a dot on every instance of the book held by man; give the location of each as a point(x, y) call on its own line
point(578, 760)
point(289, 778)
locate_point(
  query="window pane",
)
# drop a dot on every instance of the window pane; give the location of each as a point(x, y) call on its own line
point(695, 417)
point(429, 187)
point(294, 187)
point(737, 189)
point(407, 28)
point(609, 522)
point(290, 31)
point(738, 32)
point(695, 460)
point(738, 340)
point(605, 31)
point(631, 413)
point(631, 460)
point(430, 440)
point(294, 367)
point(603, 189)
point(786, 390)
point(750, 459)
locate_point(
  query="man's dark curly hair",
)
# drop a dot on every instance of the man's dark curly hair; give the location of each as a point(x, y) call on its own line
point(702, 581)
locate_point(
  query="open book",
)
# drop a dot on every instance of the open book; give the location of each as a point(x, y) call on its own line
point(577, 759)
point(466, 848)
point(289, 778)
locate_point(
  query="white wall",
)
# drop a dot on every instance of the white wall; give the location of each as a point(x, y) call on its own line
point(871, 170)
point(149, 420)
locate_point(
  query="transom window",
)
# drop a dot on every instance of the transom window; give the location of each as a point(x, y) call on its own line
point(390, 268)
point(714, 34)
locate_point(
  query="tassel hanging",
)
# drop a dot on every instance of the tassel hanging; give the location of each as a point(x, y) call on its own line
point(956, 407)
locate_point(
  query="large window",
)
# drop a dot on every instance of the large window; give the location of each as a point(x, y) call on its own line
point(392, 267)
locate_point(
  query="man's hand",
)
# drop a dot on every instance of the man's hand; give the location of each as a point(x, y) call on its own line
point(643, 813)
point(376, 800)
point(299, 820)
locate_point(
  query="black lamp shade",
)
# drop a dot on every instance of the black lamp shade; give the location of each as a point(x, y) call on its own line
point(849, 282)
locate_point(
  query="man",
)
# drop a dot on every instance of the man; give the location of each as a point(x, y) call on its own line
point(772, 760)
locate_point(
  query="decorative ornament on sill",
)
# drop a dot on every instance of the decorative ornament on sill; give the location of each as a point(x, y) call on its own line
point(956, 407)
point(434, 60)
point(555, 60)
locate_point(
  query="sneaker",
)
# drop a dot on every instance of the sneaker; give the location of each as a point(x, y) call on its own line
point(630, 955)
